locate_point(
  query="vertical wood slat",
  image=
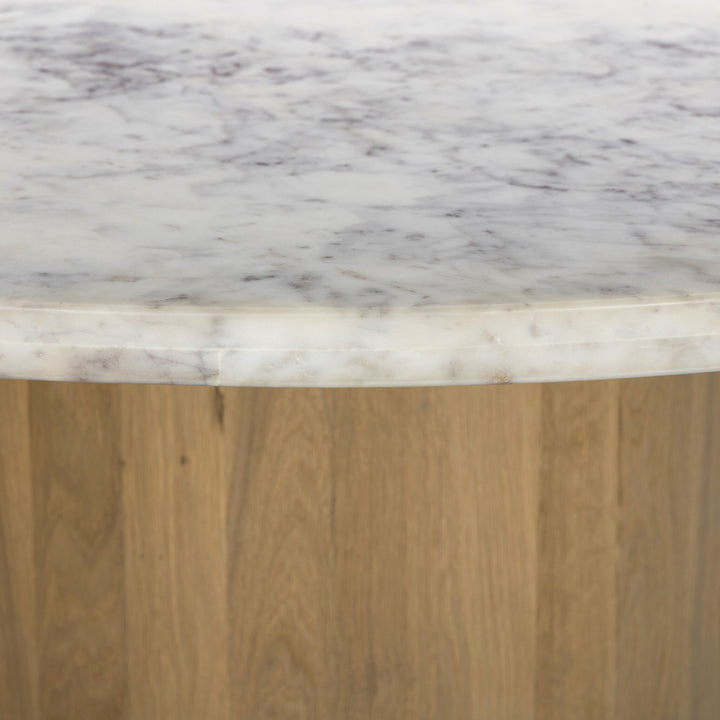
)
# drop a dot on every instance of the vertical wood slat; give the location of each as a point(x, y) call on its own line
point(18, 661)
point(474, 586)
point(175, 558)
point(78, 541)
point(577, 552)
point(704, 668)
point(282, 658)
point(669, 481)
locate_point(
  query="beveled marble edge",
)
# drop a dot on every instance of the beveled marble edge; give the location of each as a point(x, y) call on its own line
point(342, 348)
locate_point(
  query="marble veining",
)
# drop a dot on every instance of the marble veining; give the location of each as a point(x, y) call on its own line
point(325, 193)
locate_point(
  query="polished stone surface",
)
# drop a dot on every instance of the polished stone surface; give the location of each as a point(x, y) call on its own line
point(376, 193)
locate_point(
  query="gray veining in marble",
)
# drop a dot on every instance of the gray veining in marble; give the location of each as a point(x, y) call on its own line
point(336, 193)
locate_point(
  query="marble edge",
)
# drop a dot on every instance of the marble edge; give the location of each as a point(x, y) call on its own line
point(418, 346)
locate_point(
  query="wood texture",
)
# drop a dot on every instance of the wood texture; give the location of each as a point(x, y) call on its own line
point(511, 552)
point(578, 516)
point(176, 556)
point(78, 551)
point(663, 566)
point(18, 636)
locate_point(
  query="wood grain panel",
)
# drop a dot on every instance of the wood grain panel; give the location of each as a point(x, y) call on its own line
point(18, 660)
point(577, 552)
point(704, 669)
point(176, 553)
point(667, 471)
point(441, 545)
point(396, 571)
point(510, 553)
point(282, 658)
point(78, 544)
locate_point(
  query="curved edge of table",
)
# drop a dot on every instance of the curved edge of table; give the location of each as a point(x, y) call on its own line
point(326, 347)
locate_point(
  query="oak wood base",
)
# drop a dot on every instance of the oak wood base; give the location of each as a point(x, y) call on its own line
point(518, 552)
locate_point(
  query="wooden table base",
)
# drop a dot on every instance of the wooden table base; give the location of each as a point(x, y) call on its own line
point(516, 552)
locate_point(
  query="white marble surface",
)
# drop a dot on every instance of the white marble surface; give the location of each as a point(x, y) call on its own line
point(344, 193)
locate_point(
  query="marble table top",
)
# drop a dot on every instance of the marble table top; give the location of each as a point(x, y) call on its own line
point(336, 193)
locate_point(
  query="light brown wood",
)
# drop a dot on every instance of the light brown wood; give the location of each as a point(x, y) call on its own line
point(705, 614)
point(511, 552)
point(282, 656)
point(18, 636)
point(666, 557)
point(176, 554)
point(575, 675)
point(77, 520)
point(379, 570)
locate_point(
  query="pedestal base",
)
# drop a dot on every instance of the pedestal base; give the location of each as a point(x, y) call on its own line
point(507, 552)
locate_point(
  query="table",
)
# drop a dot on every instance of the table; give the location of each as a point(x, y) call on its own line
point(448, 275)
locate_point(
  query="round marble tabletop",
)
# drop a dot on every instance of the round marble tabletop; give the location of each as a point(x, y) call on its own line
point(327, 193)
